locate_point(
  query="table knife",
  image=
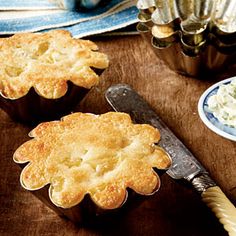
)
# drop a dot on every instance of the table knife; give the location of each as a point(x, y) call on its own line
point(123, 98)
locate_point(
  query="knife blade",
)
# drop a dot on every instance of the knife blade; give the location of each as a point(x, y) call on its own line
point(123, 98)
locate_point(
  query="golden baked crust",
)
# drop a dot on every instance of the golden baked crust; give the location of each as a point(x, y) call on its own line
point(46, 61)
point(100, 155)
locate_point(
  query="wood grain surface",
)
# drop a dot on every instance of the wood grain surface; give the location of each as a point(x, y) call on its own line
point(176, 209)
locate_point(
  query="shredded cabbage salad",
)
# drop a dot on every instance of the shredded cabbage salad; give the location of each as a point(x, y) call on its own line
point(223, 104)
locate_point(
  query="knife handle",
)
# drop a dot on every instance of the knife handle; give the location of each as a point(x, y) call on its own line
point(224, 210)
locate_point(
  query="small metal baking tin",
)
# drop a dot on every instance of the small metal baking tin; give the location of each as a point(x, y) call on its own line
point(220, 13)
point(201, 35)
point(186, 59)
point(87, 212)
point(32, 108)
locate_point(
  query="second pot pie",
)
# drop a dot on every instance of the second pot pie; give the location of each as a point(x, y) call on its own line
point(42, 75)
point(96, 155)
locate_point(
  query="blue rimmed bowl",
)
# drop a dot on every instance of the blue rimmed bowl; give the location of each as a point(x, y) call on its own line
point(207, 116)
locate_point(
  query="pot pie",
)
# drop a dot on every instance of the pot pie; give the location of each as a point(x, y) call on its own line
point(42, 74)
point(96, 155)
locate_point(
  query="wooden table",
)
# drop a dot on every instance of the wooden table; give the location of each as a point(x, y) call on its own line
point(176, 209)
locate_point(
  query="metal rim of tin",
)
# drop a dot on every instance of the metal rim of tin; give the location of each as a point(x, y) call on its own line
point(213, 37)
point(145, 31)
point(149, 5)
point(229, 49)
point(146, 19)
point(87, 207)
point(32, 108)
point(164, 33)
point(226, 38)
point(193, 28)
point(159, 44)
point(191, 50)
point(142, 28)
point(147, 11)
point(217, 12)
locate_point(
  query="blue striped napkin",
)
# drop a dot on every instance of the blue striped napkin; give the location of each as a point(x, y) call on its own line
point(42, 15)
point(27, 4)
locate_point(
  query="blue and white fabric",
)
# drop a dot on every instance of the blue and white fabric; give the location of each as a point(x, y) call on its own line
point(41, 15)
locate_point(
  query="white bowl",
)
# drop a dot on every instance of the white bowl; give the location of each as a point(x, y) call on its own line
point(207, 116)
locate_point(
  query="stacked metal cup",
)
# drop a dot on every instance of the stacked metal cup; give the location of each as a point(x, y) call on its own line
point(192, 37)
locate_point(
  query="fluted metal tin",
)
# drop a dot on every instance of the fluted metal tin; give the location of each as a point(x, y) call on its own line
point(87, 212)
point(32, 108)
point(192, 37)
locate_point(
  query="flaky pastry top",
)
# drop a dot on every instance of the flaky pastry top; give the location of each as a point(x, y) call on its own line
point(46, 61)
point(99, 155)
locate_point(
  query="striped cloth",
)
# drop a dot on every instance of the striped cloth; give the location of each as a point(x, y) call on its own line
point(42, 15)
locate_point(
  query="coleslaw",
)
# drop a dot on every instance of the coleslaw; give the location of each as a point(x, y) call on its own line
point(223, 104)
